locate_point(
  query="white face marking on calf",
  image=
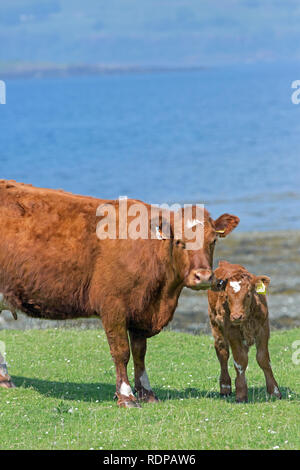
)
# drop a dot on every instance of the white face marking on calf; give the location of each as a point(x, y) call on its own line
point(191, 223)
point(235, 286)
point(145, 381)
point(239, 367)
point(125, 389)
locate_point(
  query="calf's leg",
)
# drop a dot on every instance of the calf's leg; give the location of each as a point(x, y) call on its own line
point(263, 359)
point(222, 350)
point(119, 347)
point(240, 360)
point(142, 385)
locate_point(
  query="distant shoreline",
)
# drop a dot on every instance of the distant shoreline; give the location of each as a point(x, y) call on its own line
point(44, 71)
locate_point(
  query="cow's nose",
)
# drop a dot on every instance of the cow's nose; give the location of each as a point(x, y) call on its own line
point(203, 275)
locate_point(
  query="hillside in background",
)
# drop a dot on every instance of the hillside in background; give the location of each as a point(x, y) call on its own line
point(144, 32)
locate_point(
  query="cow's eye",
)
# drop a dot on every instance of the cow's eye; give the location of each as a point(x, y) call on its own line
point(180, 243)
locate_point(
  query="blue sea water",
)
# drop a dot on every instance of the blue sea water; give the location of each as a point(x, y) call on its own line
point(228, 137)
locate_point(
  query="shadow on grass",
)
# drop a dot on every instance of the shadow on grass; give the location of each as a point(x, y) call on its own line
point(105, 391)
point(255, 395)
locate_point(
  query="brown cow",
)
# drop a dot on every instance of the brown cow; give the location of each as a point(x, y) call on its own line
point(239, 318)
point(5, 380)
point(52, 265)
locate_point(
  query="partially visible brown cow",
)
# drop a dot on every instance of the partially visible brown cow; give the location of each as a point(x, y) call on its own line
point(53, 265)
point(5, 380)
point(239, 318)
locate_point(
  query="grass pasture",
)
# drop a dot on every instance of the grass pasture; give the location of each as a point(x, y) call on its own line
point(65, 384)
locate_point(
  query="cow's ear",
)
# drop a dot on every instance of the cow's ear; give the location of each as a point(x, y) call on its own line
point(261, 284)
point(225, 224)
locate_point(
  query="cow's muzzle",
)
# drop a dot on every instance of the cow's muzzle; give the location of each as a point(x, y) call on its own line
point(200, 279)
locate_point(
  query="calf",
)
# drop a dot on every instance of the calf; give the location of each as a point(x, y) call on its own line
point(239, 318)
point(54, 266)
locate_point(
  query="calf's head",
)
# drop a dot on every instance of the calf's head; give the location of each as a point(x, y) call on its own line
point(239, 290)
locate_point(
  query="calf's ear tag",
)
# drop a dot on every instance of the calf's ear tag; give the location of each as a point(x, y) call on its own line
point(261, 288)
point(220, 231)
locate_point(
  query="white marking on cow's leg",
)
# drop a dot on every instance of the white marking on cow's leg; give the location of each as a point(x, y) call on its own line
point(145, 381)
point(3, 364)
point(125, 389)
point(276, 391)
point(225, 386)
point(239, 367)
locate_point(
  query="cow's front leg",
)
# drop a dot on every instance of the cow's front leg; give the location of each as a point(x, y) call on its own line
point(142, 385)
point(5, 380)
point(263, 359)
point(240, 360)
point(119, 347)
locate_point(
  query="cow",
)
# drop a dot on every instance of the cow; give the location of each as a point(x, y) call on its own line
point(239, 317)
point(5, 380)
point(54, 266)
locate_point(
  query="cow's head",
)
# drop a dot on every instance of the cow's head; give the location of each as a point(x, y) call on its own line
point(194, 266)
point(239, 289)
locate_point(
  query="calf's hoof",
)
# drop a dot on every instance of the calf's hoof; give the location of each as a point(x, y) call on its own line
point(276, 393)
point(225, 390)
point(241, 400)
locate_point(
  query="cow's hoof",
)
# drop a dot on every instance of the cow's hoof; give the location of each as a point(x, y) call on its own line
point(7, 384)
point(148, 397)
point(127, 402)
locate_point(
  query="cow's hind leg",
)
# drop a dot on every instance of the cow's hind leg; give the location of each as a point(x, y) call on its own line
point(119, 347)
point(142, 385)
point(5, 380)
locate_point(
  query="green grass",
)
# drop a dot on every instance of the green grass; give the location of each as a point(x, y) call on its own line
point(66, 383)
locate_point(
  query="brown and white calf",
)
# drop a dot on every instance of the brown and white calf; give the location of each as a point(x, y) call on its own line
point(238, 313)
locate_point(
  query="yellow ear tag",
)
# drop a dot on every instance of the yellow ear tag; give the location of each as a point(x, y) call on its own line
point(261, 288)
point(220, 231)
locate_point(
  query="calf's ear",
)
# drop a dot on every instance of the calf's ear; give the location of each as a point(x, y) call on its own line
point(261, 284)
point(225, 224)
